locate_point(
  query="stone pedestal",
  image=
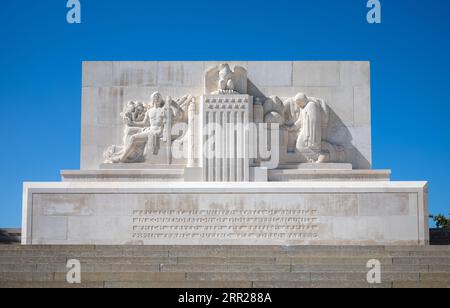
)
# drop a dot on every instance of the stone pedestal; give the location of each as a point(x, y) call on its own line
point(316, 213)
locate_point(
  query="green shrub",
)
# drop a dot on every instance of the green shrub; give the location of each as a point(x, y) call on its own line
point(441, 221)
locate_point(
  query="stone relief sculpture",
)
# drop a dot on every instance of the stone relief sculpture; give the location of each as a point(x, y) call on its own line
point(303, 120)
point(223, 80)
point(146, 127)
point(306, 120)
point(226, 84)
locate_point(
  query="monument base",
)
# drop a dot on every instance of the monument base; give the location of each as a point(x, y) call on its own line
point(303, 213)
point(195, 174)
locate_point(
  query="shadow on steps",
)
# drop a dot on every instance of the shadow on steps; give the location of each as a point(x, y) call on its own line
point(10, 236)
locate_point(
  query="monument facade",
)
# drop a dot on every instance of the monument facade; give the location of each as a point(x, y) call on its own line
point(231, 153)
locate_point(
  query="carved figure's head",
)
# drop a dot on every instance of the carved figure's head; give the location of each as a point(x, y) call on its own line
point(130, 107)
point(128, 111)
point(140, 107)
point(301, 100)
point(157, 100)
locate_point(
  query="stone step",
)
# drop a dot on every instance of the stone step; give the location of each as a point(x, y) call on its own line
point(224, 266)
point(218, 248)
point(223, 251)
point(220, 253)
point(61, 268)
point(421, 284)
point(133, 284)
point(316, 276)
point(215, 255)
point(280, 260)
point(223, 277)
point(363, 268)
point(319, 285)
point(217, 261)
point(88, 260)
point(92, 277)
point(49, 285)
point(358, 261)
point(80, 254)
point(240, 285)
point(107, 267)
point(350, 284)
point(416, 260)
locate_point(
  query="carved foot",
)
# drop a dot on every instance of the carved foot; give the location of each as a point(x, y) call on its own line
point(323, 158)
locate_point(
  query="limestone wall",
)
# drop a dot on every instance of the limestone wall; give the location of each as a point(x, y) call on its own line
point(107, 86)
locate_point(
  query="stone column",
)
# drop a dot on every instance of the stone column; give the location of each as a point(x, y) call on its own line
point(225, 137)
point(258, 118)
point(191, 135)
point(210, 157)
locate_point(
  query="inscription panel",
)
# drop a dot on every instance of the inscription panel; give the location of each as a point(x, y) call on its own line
point(225, 224)
point(195, 218)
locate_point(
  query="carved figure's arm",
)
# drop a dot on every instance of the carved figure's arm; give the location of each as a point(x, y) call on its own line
point(144, 123)
point(298, 123)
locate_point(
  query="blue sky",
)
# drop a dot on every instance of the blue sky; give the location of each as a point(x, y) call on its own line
point(40, 71)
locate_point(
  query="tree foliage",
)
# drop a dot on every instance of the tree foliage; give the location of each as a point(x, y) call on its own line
point(441, 221)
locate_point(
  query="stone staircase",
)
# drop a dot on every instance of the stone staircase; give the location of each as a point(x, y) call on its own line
point(224, 266)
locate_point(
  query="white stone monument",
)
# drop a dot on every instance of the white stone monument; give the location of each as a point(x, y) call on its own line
point(226, 153)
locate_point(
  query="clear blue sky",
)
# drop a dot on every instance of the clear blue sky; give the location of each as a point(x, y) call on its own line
point(40, 71)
